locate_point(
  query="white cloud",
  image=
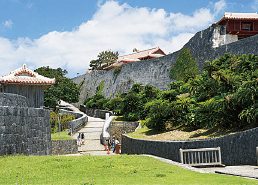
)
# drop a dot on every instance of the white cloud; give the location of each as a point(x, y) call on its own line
point(254, 5)
point(8, 24)
point(114, 26)
point(220, 6)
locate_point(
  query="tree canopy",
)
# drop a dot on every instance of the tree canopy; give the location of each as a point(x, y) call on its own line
point(185, 67)
point(64, 88)
point(105, 58)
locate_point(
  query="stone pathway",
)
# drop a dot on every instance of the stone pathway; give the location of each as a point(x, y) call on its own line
point(92, 132)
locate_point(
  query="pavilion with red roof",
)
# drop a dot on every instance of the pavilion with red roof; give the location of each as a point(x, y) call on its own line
point(138, 56)
point(28, 83)
point(241, 24)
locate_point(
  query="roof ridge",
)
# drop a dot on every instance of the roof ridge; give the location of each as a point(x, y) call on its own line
point(141, 51)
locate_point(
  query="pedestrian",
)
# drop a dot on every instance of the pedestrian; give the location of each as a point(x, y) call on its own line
point(116, 146)
point(82, 136)
point(108, 143)
point(113, 144)
point(79, 139)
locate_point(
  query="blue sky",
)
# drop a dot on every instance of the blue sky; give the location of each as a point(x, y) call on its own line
point(70, 33)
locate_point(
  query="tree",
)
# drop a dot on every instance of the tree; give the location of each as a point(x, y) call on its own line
point(105, 58)
point(64, 88)
point(185, 67)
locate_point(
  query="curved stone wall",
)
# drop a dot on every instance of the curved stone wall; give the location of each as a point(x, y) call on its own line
point(22, 129)
point(12, 100)
point(236, 149)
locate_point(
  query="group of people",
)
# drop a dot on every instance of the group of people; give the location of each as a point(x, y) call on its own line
point(114, 143)
point(80, 139)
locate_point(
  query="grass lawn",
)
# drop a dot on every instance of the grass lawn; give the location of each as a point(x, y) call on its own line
point(120, 169)
point(63, 135)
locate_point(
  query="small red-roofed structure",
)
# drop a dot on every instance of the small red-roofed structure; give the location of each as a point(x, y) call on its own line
point(28, 83)
point(241, 24)
point(138, 56)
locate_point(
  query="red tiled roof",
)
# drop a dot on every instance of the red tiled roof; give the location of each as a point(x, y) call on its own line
point(138, 56)
point(141, 54)
point(238, 16)
point(24, 75)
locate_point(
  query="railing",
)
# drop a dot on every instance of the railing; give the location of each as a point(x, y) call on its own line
point(201, 156)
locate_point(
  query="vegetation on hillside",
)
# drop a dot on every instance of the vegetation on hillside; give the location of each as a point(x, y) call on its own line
point(64, 88)
point(224, 94)
point(186, 67)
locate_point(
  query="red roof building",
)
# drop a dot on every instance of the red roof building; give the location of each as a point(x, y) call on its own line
point(138, 56)
point(28, 83)
point(241, 24)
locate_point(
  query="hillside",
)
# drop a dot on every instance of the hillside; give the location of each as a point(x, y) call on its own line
point(156, 71)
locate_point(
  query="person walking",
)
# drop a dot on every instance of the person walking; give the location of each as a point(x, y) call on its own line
point(82, 138)
point(79, 140)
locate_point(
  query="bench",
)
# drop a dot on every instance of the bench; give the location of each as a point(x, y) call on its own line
point(201, 156)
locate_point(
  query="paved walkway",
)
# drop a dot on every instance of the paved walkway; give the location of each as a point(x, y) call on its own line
point(92, 132)
point(241, 171)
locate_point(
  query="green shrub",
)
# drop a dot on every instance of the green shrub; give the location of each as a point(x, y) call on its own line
point(185, 67)
point(64, 120)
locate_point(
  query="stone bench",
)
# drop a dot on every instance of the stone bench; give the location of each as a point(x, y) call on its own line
point(201, 156)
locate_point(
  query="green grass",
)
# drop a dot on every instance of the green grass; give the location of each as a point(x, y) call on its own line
point(120, 169)
point(63, 135)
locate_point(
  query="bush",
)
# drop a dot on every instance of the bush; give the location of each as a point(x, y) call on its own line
point(185, 67)
point(64, 120)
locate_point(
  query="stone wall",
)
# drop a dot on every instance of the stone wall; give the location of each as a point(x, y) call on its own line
point(236, 149)
point(156, 71)
point(118, 128)
point(22, 129)
point(95, 112)
point(64, 146)
point(76, 125)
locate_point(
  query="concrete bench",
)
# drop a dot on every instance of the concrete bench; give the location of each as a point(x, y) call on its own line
point(201, 156)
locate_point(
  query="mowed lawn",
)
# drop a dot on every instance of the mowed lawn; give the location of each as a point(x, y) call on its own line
point(119, 169)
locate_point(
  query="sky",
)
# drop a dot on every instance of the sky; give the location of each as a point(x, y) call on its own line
point(71, 33)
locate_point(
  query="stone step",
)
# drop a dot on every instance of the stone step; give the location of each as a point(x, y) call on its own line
point(91, 145)
point(91, 135)
point(97, 129)
point(96, 124)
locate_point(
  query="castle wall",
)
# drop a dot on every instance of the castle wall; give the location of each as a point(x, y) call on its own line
point(22, 129)
point(156, 71)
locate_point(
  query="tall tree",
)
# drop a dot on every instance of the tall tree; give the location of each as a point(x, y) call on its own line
point(64, 88)
point(105, 58)
point(185, 67)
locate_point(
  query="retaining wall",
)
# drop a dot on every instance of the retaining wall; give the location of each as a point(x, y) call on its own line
point(64, 146)
point(236, 149)
point(95, 112)
point(156, 71)
point(78, 123)
point(118, 128)
point(22, 129)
